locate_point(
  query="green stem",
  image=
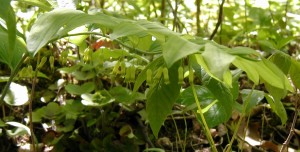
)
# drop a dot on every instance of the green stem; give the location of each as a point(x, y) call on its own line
point(207, 132)
point(228, 147)
point(12, 75)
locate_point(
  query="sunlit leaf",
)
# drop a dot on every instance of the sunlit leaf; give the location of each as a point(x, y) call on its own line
point(8, 14)
point(177, 48)
point(41, 4)
point(20, 129)
point(59, 22)
point(11, 57)
point(217, 60)
point(17, 95)
point(126, 29)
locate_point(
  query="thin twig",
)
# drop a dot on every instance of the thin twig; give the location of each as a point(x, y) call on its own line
point(163, 12)
point(198, 13)
point(292, 130)
point(30, 103)
point(220, 19)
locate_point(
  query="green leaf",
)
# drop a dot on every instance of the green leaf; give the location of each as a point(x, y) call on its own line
point(98, 99)
point(255, 97)
point(11, 57)
point(126, 29)
point(283, 42)
point(44, 5)
point(142, 76)
point(160, 100)
point(217, 60)
point(282, 61)
point(8, 14)
point(21, 129)
point(58, 23)
point(271, 74)
point(177, 48)
point(249, 67)
point(277, 107)
point(294, 73)
point(80, 89)
point(222, 110)
point(53, 111)
point(124, 95)
point(17, 95)
point(265, 70)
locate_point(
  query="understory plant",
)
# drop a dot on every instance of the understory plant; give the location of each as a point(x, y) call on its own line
point(87, 71)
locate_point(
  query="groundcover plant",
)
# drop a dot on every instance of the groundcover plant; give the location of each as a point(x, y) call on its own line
point(156, 75)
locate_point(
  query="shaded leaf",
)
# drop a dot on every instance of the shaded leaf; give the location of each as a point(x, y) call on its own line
point(294, 73)
point(277, 107)
point(160, 100)
point(80, 89)
point(255, 97)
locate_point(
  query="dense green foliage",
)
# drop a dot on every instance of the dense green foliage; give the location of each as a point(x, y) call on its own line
point(92, 78)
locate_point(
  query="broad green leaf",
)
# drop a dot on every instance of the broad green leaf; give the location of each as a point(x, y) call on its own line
point(242, 51)
point(142, 76)
point(249, 67)
point(253, 97)
point(80, 89)
point(277, 106)
point(217, 60)
point(8, 14)
point(58, 23)
point(126, 29)
point(271, 74)
point(20, 129)
point(294, 73)
point(222, 110)
point(2, 123)
point(53, 111)
point(212, 108)
point(283, 42)
point(17, 95)
point(160, 100)
point(177, 48)
point(41, 4)
point(282, 61)
point(11, 57)
point(265, 70)
point(73, 108)
point(157, 30)
point(125, 95)
point(98, 99)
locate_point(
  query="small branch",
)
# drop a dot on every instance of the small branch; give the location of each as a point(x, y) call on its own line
point(163, 12)
point(34, 80)
point(292, 130)
point(198, 13)
point(220, 19)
